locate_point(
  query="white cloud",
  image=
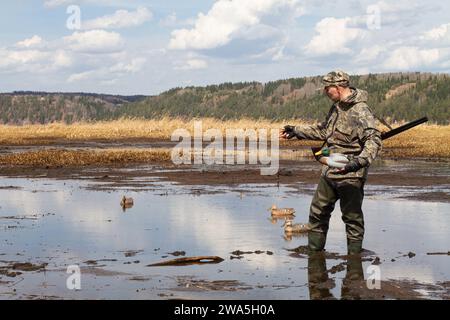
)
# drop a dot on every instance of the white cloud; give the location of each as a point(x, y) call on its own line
point(110, 74)
point(438, 33)
point(13, 58)
point(32, 42)
point(56, 3)
point(120, 19)
point(33, 61)
point(228, 17)
point(334, 37)
point(169, 21)
point(80, 76)
point(135, 65)
point(408, 58)
point(96, 55)
point(192, 64)
point(233, 37)
point(62, 59)
point(275, 53)
point(369, 54)
point(95, 41)
point(396, 6)
point(406, 14)
point(172, 21)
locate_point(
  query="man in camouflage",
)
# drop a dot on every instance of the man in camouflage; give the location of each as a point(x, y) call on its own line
point(349, 128)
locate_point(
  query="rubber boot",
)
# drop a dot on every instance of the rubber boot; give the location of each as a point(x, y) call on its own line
point(354, 246)
point(316, 241)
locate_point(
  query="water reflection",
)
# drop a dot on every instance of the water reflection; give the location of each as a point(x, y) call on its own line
point(320, 284)
point(354, 278)
point(91, 225)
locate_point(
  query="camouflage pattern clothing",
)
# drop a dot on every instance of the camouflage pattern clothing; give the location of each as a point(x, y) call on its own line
point(336, 78)
point(351, 129)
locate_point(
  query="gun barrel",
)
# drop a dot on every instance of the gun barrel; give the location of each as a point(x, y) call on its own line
point(402, 128)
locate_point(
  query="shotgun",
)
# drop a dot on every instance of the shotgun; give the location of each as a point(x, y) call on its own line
point(386, 135)
point(412, 124)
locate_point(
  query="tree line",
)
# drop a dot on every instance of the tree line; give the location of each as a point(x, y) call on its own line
point(394, 96)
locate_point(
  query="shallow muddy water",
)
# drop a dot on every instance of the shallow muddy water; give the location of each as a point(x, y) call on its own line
point(70, 222)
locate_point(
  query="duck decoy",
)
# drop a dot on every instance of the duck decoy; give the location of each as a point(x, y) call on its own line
point(126, 202)
point(281, 211)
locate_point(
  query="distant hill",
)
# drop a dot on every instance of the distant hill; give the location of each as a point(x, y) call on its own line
point(394, 96)
point(24, 107)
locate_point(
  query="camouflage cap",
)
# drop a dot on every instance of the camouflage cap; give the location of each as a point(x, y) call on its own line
point(336, 78)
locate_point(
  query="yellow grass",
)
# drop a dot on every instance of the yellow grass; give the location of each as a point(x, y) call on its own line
point(425, 141)
point(55, 158)
point(117, 129)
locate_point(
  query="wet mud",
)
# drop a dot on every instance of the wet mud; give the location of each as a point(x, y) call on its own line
point(52, 218)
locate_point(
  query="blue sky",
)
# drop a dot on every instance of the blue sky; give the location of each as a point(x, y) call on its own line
point(146, 47)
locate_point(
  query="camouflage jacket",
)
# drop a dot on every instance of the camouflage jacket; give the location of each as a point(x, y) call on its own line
point(350, 127)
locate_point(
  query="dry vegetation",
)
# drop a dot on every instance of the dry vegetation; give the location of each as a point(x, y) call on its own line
point(425, 141)
point(116, 130)
point(56, 158)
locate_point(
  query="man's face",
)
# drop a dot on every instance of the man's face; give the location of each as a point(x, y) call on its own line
point(333, 93)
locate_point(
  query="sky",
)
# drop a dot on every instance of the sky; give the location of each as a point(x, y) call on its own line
point(147, 47)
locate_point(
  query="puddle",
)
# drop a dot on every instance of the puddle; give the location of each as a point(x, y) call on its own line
point(59, 223)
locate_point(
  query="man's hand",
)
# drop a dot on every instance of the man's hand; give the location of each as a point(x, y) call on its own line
point(351, 166)
point(288, 132)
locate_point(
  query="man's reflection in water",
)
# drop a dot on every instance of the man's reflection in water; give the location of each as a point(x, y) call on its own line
point(353, 282)
point(320, 284)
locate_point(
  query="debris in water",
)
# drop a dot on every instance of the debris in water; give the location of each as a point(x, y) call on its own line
point(376, 261)
point(188, 260)
point(439, 253)
point(240, 253)
point(132, 253)
point(177, 253)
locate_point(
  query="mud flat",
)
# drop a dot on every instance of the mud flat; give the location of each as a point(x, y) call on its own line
point(53, 218)
point(57, 215)
point(407, 179)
